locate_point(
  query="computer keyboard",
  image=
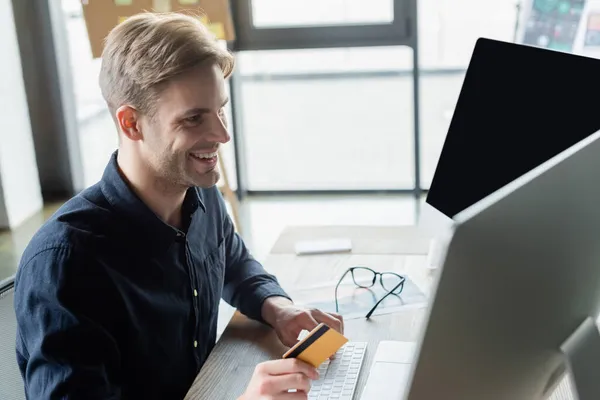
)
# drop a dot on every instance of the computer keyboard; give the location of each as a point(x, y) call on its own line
point(338, 377)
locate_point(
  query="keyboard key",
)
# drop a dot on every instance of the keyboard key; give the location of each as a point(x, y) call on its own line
point(338, 377)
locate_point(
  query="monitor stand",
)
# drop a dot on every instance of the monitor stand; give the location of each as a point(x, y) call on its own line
point(582, 351)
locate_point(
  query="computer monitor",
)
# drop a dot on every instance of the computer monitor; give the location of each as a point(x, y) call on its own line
point(518, 292)
point(518, 107)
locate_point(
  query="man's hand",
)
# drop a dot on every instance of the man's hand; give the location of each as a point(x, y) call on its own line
point(272, 380)
point(289, 320)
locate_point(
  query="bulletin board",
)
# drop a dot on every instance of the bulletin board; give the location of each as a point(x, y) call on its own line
point(587, 42)
point(552, 24)
point(592, 29)
point(101, 16)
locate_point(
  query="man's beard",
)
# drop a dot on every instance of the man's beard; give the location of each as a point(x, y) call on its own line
point(170, 171)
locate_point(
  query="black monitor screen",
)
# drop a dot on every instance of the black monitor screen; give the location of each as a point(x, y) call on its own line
point(518, 107)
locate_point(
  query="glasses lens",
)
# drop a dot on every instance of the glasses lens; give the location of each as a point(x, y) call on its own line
point(363, 277)
point(390, 281)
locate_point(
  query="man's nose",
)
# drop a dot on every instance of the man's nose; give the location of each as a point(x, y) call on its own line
point(219, 130)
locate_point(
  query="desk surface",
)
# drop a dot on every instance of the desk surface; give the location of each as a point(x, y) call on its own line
point(246, 343)
point(379, 240)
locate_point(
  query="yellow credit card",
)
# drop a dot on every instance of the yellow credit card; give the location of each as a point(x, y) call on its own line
point(320, 344)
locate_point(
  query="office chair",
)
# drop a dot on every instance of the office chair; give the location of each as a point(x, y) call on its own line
point(11, 383)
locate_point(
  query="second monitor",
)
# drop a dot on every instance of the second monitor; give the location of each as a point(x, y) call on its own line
point(518, 107)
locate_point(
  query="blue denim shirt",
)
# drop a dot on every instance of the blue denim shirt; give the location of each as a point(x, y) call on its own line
point(112, 303)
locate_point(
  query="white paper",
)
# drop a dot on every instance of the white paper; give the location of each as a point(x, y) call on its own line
point(323, 246)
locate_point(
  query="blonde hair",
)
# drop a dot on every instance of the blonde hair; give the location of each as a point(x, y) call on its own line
point(149, 49)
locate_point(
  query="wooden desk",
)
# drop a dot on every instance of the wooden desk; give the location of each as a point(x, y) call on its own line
point(246, 343)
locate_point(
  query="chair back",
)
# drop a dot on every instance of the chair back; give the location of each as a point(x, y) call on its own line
point(11, 383)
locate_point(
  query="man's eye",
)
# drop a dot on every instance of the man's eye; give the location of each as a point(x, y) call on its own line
point(197, 119)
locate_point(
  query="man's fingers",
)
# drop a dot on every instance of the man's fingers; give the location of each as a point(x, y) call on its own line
point(309, 322)
point(305, 320)
point(283, 383)
point(292, 396)
point(289, 366)
point(341, 319)
point(330, 320)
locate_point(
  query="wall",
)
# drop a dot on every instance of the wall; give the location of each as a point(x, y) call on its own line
point(21, 194)
point(47, 73)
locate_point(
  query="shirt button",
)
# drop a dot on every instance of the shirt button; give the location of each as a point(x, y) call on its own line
point(195, 343)
point(195, 293)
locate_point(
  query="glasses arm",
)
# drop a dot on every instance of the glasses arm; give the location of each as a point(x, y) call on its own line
point(336, 288)
point(383, 298)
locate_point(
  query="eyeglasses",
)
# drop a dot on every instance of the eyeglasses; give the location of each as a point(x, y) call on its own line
point(364, 277)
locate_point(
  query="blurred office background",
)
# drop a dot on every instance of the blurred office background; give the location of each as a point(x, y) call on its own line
point(321, 136)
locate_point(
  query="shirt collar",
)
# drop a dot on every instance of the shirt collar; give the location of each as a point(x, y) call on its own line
point(136, 214)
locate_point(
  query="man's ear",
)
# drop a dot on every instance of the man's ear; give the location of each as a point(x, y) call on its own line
point(129, 123)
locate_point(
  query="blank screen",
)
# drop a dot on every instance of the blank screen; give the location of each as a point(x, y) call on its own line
point(518, 107)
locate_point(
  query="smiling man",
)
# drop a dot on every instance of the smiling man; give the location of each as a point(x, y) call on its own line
point(117, 295)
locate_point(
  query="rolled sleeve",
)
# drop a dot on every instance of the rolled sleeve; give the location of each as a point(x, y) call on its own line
point(63, 353)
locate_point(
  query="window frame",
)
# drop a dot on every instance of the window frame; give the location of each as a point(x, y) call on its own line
point(402, 31)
